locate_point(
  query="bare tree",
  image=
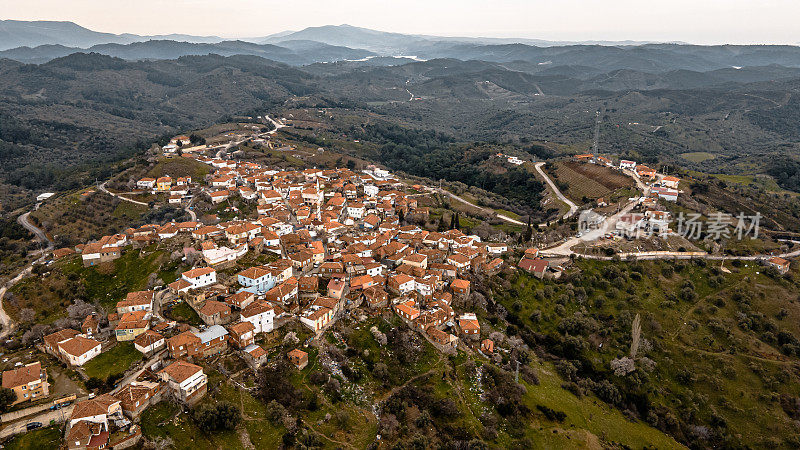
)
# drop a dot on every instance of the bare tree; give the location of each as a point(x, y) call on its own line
point(636, 332)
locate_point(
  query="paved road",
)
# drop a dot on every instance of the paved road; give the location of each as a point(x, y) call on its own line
point(277, 124)
point(102, 187)
point(608, 225)
point(639, 183)
point(190, 211)
point(24, 220)
point(58, 416)
point(573, 208)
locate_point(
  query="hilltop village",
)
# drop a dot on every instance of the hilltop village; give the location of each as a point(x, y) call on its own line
point(334, 243)
point(297, 251)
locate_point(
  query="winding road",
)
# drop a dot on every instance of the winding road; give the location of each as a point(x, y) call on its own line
point(573, 208)
point(24, 220)
point(102, 187)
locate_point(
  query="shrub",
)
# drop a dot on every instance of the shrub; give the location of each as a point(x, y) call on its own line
point(221, 416)
point(551, 414)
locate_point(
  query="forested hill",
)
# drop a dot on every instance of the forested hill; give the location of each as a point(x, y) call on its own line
point(85, 109)
point(75, 113)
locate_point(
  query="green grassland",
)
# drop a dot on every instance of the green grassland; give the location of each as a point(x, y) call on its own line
point(182, 312)
point(709, 368)
point(180, 167)
point(110, 282)
point(114, 361)
point(50, 293)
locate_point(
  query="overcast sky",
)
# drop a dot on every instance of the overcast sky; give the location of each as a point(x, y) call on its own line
point(696, 21)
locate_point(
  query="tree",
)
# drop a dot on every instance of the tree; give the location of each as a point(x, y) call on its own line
point(197, 139)
point(7, 397)
point(442, 226)
point(528, 231)
point(221, 416)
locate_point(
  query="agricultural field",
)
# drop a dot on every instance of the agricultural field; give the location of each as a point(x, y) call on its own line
point(586, 181)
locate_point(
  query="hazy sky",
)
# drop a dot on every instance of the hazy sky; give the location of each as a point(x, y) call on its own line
point(697, 21)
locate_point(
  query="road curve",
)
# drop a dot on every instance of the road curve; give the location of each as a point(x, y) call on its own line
point(484, 210)
point(24, 220)
point(573, 208)
point(5, 319)
point(102, 187)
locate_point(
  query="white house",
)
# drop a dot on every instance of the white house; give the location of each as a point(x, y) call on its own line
point(199, 277)
point(496, 248)
point(186, 381)
point(356, 210)
point(261, 315)
point(258, 279)
point(670, 195)
point(625, 164)
point(370, 190)
point(136, 301)
point(149, 342)
point(78, 350)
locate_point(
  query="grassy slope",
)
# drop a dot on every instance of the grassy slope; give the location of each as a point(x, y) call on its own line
point(108, 283)
point(734, 372)
point(41, 439)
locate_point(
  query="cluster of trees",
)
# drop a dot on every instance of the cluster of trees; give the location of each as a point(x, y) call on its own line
point(786, 172)
point(435, 155)
point(217, 417)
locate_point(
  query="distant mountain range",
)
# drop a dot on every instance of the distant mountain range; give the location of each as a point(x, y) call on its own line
point(39, 42)
point(295, 53)
point(20, 33)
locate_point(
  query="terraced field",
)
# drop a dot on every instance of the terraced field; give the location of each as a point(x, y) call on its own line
point(590, 181)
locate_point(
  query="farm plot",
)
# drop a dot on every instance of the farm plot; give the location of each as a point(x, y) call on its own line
point(589, 181)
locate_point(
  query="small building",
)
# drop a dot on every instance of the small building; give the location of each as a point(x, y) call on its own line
point(299, 358)
point(487, 346)
point(131, 325)
point(78, 350)
point(242, 334)
point(149, 342)
point(255, 355)
point(778, 263)
point(460, 287)
point(469, 325)
point(215, 313)
point(534, 266)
